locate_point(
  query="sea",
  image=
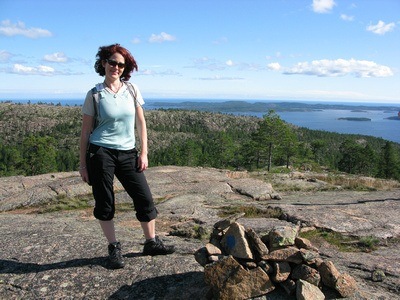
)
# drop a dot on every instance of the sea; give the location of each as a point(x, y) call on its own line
point(322, 119)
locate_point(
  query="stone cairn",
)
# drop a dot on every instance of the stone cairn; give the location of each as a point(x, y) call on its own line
point(240, 264)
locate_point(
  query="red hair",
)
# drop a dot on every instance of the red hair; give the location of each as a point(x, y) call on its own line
point(106, 52)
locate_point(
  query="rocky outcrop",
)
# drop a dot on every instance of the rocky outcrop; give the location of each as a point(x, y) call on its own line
point(235, 270)
point(20, 191)
point(61, 254)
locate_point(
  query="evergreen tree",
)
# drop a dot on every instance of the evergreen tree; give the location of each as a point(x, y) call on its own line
point(317, 147)
point(272, 133)
point(389, 163)
point(10, 160)
point(39, 155)
point(357, 159)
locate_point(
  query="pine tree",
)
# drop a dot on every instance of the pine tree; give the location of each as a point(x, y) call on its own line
point(389, 163)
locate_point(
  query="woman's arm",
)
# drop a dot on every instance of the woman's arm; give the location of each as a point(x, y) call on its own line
point(143, 162)
point(87, 126)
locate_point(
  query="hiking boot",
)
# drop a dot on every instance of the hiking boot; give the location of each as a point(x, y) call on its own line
point(115, 260)
point(157, 248)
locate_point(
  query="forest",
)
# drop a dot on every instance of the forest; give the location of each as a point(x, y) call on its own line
point(40, 138)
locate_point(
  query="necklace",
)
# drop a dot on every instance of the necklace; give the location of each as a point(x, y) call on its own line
point(111, 89)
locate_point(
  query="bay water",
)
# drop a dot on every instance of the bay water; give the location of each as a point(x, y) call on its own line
point(329, 120)
point(325, 119)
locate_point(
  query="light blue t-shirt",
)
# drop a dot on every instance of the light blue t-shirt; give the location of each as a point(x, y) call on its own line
point(116, 117)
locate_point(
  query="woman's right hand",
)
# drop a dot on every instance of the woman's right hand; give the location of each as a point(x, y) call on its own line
point(84, 175)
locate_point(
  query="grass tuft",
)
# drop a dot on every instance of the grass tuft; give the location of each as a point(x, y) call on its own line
point(251, 211)
point(342, 242)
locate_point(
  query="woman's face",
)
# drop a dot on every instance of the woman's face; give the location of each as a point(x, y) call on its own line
point(114, 66)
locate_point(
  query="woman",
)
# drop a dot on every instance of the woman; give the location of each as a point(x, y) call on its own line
point(108, 129)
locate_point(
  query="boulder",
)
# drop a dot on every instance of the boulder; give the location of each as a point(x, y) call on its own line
point(306, 273)
point(308, 291)
point(346, 285)
point(282, 236)
point(259, 248)
point(235, 242)
point(281, 271)
point(229, 280)
point(329, 273)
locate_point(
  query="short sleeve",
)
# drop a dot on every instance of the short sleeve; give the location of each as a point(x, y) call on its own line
point(88, 108)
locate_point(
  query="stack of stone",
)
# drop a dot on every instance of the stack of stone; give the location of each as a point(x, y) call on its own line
point(241, 264)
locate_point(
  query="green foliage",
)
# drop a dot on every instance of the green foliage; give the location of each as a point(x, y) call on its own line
point(39, 155)
point(62, 203)
point(356, 158)
point(251, 211)
point(10, 160)
point(38, 139)
point(389, 163)
point(342, 242)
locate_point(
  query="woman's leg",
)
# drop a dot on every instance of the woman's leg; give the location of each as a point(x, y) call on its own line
point(108, 230)
point(149, 229)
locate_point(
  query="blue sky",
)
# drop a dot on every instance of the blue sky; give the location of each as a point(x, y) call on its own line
point(325, 50)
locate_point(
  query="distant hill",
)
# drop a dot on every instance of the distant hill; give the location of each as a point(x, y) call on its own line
point(245, 106)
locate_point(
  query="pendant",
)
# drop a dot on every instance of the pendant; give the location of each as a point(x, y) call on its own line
point(115, 95)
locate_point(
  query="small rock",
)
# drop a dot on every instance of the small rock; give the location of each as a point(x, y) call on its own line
point(265, 266)
point(235, 243)
point(306, 273)
point(201, 256)
point(308, 291)
point(346, 285)
point(282, 271)
point(215, 258)
point(304, 243)
point(224, 224)
point(259, 248)
point(289, 286)
point(289, 254)
point(309, 257)
point(212, 249)
point(378, 275)
point(230, 280)
point(329, 273)
point(282, 236)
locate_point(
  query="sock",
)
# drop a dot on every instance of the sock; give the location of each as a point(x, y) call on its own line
point(150, 240)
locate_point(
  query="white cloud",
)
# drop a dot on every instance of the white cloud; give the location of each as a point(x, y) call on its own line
point(323, 6)
point(346, 17)
point(277, 55)
point(222, 40)
point(58, 57)
point(218, 77)
point(250, 67)
point(206, 63)
point(9, 29)
point(40, 70)
point(162, 37)
point(5, 55)
point(136, 40)
point(274, 66)
point(340, 67)
point(149, 72)
point(381, 28)
point(229, 63)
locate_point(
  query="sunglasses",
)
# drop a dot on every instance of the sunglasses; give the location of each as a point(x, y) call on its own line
point(115, 63)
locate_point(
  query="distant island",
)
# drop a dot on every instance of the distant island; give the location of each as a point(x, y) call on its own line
point(355, 119)
point(394, 118)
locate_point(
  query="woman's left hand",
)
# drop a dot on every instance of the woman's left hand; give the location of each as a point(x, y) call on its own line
point(143, 162)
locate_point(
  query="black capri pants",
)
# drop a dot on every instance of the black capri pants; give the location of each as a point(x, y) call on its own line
point(104, 163)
